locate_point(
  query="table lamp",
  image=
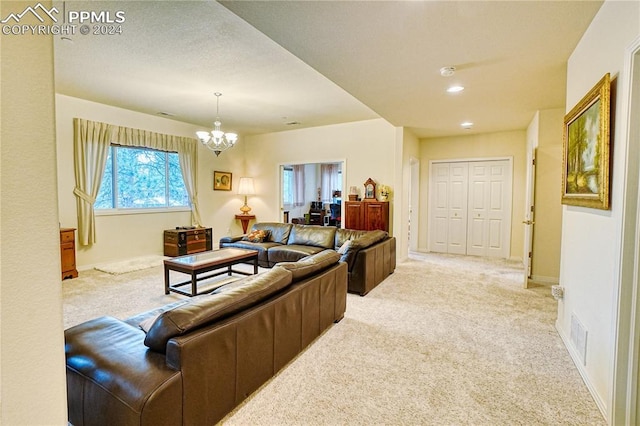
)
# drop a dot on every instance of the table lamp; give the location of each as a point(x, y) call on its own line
point(246, 188)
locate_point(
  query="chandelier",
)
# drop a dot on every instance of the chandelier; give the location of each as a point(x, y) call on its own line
point(217, 140)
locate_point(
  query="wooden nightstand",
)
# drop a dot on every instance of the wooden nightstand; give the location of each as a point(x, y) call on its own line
point(68, 252)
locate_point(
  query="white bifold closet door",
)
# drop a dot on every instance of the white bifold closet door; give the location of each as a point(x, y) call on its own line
point(470, 207)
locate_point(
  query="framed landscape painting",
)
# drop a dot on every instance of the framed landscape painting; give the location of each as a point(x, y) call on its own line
point(222, 181)
point(585, 175)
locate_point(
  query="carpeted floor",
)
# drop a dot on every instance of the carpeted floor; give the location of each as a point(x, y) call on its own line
point(445, 340)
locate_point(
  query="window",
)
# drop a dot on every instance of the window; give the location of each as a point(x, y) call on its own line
point(287, 186)
point(331, 178)
point(141, 178)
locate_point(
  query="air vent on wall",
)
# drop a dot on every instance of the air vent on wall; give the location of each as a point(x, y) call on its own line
point(578, 338)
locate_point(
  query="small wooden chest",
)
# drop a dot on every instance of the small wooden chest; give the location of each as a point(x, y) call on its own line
point(179, 242)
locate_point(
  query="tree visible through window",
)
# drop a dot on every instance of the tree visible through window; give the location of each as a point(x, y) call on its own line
point(138, 178)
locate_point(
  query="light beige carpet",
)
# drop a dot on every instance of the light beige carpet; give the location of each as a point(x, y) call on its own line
point(445, 340)
point(131, 265)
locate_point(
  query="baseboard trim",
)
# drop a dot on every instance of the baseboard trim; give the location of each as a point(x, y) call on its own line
point(583, 373)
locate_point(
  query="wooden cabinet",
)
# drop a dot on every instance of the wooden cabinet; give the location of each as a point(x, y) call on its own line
point(68, 252)
point(366, 215)
point(352, 216)
point(178, 242)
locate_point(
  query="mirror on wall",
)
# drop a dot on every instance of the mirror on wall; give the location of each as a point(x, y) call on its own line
point(312, 193)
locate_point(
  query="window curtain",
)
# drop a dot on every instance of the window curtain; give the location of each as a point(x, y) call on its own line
point(329, 181)
point(91, 148)
point(188, 156)
point(298, 185)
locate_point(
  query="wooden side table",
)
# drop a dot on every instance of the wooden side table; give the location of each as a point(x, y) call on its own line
point(244, 220)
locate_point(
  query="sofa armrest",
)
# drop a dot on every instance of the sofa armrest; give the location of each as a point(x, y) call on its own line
point(371, 265)
point(230, 239)
point(110, 370)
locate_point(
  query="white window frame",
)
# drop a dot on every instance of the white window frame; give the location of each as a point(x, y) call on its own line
point(114, 211)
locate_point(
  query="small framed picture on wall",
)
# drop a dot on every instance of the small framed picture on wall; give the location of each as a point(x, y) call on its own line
point(221, 181)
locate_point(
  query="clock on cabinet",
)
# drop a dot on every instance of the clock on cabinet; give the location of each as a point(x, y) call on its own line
point(369, 190)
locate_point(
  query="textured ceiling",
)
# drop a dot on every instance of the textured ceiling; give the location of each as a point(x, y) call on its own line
point(323, 62)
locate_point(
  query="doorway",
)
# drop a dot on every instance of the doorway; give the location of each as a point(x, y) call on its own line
point(625, 396)
point(529, 212)
point(311, 193)
point(470, 207)
point(414, 199)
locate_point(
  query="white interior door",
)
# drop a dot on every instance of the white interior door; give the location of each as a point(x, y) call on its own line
point(470, 208)
point(457, 211)
point(439, 208)
point(489, 208)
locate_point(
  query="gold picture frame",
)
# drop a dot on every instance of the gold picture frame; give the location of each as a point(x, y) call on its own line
point(585, 159)
point(222, 181)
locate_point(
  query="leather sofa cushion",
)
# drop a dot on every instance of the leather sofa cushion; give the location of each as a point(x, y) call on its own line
point(279, 231)
point(313, 235)
point(310, 265)
point(148, 317)
point(209, 308)
point(291, 253)
point(260, 247)
point(366, 238)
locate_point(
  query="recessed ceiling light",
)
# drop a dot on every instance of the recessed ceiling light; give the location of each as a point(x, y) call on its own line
point(447, 71)
point(466, 125)
point(455, 89)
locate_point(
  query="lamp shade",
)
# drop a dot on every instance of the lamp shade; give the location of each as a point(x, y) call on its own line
point(246, 186)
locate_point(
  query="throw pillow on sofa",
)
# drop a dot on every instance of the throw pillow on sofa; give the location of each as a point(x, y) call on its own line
point(256, 236)
point(344, 247)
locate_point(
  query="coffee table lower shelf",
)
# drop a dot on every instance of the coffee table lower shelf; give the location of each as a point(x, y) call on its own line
point(197, 264)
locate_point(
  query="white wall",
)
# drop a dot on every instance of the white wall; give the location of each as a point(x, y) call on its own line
point(591, 239)
point(545, 133)
point(32, 372)
point(366, 147)
point(133, 235)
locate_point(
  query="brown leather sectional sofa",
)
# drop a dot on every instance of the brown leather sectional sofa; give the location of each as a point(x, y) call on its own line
point(201, 357)
point(370, 255)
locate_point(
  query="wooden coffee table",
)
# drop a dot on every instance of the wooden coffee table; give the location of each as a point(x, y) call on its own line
point(200, 263)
